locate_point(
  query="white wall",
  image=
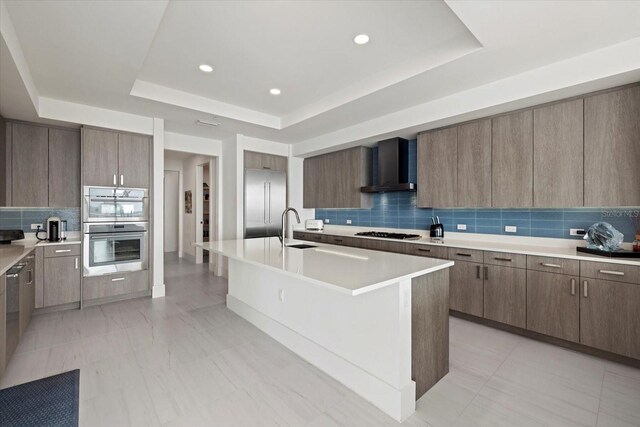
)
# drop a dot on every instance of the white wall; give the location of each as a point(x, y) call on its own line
point(171, 210)
point(175, 164)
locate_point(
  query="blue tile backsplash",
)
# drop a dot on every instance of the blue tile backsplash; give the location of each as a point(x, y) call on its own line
point(22, 218)
point(398, 210)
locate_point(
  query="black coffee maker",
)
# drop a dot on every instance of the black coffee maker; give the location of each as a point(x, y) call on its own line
point(437, 229)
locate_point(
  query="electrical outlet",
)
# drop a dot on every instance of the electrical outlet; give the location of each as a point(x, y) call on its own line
point(577, 232)
point(510, 229)
point(462, 226)
point(326, 221)
point(35, 226)
point(348, 222)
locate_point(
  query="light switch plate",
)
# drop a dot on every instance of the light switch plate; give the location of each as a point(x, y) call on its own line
point(326, 221)
point(35, 226)
point(348, 222)
point(510, 229)
point(462, 226)
point(576, 232)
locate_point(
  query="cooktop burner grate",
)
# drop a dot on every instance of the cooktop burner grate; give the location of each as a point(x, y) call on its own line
point(385, 235)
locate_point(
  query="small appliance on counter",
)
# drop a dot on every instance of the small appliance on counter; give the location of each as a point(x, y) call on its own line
point(7, 236)
point(63, 229)
point(314, 224)
point(52, 230)
point(436, 231)
point(604, 240)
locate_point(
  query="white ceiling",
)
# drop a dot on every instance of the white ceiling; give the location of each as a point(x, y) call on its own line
point(141, 57)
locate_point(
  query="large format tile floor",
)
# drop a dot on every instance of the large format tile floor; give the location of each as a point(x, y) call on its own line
point(185, 360)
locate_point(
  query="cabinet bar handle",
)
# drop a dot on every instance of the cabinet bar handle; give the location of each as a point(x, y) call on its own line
point(424, 250)
point(114, 179)
point(30, 277)
point(486, 272)
point(546, 264)
point(613, 273)
point(501, 259)
point(461, 254)
point(573, 286)
point(76, 263)
point(337, 240)
point(121, 179)
point(477, 271)
point(119, 279)
point(586, 289)
point(58, 251)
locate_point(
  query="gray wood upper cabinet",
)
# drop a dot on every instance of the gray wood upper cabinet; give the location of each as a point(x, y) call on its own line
point(5, 165)
point(30, 165)
point(99, 157)
point(333, 180)
point(437, 168)
point(609, 316)
point(474, 164)
point(134, 153)
point(612, 148)
point(505, 295)
point(466, 288)
point(512, 160)
point(64, 168)
point(254, 160)
point(553, 305)
point(62, 280)
point(558, 155)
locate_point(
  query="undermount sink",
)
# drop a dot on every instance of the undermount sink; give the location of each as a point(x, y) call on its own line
point(301, 246)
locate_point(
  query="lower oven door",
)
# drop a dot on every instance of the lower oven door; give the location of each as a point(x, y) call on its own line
point(115, 253)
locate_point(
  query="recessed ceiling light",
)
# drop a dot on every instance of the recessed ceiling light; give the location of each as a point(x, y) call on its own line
point(275, 91)
point(206, 68)
point(361, 39)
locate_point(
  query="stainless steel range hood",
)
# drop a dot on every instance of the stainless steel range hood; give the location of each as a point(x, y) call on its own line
point(393, 167)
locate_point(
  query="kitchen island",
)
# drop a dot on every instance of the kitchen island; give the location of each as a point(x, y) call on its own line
point(377, 322)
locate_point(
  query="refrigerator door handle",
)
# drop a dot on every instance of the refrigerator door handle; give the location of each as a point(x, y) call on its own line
point(264, 207)
point(269, 184)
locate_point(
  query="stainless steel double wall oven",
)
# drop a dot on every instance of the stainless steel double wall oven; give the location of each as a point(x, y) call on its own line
point(116, 230)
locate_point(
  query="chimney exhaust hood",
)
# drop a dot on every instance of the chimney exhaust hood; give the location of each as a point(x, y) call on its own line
point(393, 167)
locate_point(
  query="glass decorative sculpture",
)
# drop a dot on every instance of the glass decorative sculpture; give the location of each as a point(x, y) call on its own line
point(603, 236)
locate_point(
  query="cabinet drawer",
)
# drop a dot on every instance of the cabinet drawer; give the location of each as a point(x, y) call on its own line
point(465, 254)
point(61, 250)
point(553, 265)
point(383, 245)
point(610, 271)
point(426, 250)
point(339, 240)
point(506, 259)
point(115, 284)
point(313, 237)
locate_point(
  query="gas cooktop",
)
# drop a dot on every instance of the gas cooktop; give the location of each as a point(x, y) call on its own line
point(385, 235)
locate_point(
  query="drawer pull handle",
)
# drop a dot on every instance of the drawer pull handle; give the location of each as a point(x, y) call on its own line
point(424, 250)
point(477, 271)
point(611, 272)
point(546, 264)
point(337, 240)
point(461, 254)
point(586, 289)
point(118, 279)
point(573, 286)
point(59, 251)
point(502, 259)
point(76, 263)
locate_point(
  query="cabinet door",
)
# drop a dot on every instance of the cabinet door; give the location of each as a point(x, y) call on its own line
point(437, 168)
point(311, 170)
point(612, 148)
point(62, 280)
point(505, 295)
point(64, 168)
point(609, 316)
point(466, 288)
point(99, 157)
point(474, 164)
point(27, 297)
point(29, 165)
point(253, 160)
point(3, 321)
point(553, 305)
point(512, 160)
point(558, 155)
point(133, 160)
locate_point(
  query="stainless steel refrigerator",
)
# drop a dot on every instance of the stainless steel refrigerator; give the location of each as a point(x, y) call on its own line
point(265, 198)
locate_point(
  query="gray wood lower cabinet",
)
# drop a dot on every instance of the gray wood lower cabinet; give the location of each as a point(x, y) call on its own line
point(466, 288)
point(429, 251)
point(30, 165)
point(438, 168)
point(61, 280)
point(609, 316)
point(505, 295)
point(3, 322)
point(27, 296)
point(553, 305)
point(99, 287)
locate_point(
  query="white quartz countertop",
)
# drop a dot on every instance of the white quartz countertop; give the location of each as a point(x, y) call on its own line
point(353, 271)
point(558, 248)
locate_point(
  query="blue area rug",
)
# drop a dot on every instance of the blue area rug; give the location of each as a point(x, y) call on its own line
point(51, 401)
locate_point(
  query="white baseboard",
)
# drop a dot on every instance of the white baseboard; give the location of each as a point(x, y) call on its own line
point(399, 404)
